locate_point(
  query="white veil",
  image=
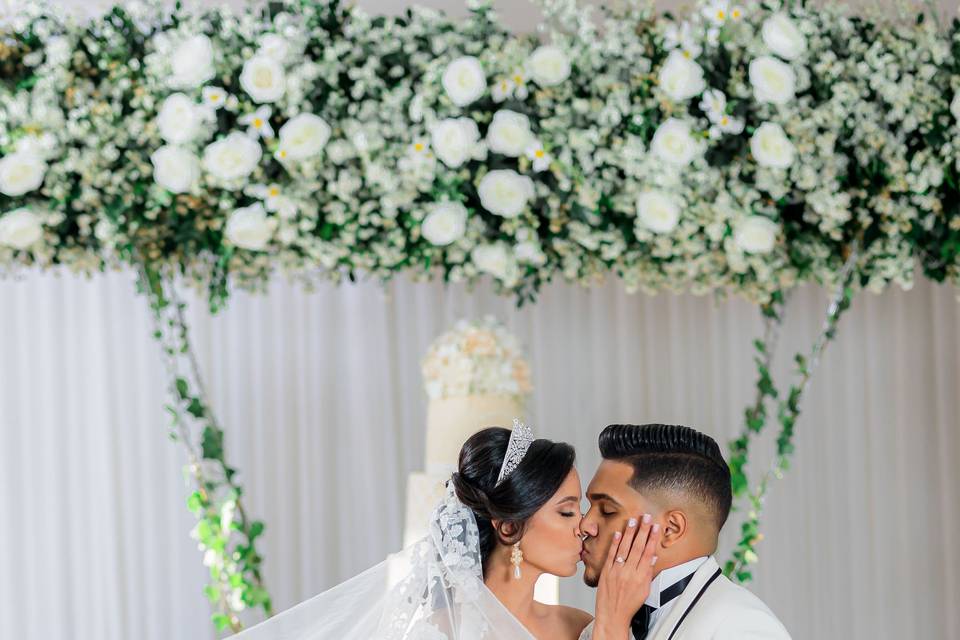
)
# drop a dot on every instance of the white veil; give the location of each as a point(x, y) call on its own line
point(433, 590)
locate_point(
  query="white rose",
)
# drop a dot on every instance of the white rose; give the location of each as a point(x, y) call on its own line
point(179, 119)
point(673, 143)
point(658, 211)
point(771, 147)
point(232, 158)
point(174, 168)
point(756, 234)
point(548, 65)
point(446, 223)
point(20, 228)
point(21, 171)
point(303, 136)
point(772, 80)
point(274, 46)
point(454, 140)
point(464, 80)
point(495, 260)
point(680, 77)
point(955, 106)
point(782, 37)
point(509, 133)
point(250, 228)
point(262, 78)
point(191, 63)
point(505, 192)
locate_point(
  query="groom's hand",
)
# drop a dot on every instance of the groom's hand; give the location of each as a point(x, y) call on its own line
point(625, 579)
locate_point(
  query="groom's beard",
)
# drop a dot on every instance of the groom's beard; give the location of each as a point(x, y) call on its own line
point(591, 581)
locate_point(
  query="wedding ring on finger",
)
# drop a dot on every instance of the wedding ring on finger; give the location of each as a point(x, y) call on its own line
point(619, 560)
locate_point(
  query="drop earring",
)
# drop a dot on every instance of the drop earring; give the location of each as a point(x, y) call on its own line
point(516, 557)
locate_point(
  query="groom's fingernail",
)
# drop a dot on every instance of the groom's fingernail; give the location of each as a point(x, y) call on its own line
point(632, 522)
point(647, 518)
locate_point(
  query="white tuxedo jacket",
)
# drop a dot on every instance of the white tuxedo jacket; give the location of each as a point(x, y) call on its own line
point(714, 608)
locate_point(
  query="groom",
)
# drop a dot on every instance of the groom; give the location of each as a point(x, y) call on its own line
point(678, 476)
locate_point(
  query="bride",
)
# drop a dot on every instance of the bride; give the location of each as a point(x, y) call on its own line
point(511, 513)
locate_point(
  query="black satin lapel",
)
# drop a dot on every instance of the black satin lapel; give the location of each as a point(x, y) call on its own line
point(690, 607)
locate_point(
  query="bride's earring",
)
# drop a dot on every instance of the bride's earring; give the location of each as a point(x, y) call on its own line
point(516, 557)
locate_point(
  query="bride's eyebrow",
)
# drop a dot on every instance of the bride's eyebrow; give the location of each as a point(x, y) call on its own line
point(573, 499)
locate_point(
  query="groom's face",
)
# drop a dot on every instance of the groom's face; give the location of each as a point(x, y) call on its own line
point(612, 502)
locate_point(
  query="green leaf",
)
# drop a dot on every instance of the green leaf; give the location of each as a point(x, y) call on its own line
point(183, 388)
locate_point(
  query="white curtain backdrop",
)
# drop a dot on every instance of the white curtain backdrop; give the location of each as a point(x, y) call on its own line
point(323, 405)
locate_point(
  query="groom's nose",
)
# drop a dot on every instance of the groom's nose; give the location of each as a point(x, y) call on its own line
point(588, 526)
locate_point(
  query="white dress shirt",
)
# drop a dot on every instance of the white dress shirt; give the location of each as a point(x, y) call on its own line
point(664, 580)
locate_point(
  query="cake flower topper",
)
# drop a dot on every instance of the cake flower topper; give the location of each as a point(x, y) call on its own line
point(476, 358)
point(520, 440)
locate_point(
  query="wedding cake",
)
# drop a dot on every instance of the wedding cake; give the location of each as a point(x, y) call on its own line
point(475, 377)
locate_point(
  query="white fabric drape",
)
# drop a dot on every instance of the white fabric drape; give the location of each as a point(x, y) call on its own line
point(323, 405)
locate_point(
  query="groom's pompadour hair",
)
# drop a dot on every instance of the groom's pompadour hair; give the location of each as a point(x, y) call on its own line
point(675, 458)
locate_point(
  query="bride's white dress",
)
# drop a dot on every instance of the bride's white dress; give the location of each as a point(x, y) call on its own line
point(438, 595)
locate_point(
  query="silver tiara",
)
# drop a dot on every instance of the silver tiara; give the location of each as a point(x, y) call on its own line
point(520, 440)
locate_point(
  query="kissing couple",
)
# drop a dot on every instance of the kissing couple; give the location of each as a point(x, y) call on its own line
point(511, 513)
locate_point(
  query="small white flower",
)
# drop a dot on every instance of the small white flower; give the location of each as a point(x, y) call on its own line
point(772, 80)
point(682, 37)
point(303, 136)
point(21, 172)
point(179, 119)
point(214, 97)
point(464, 80)
point(783, 37)
point(502, 89)
point(274, 46)
point(729, 124)
point(258, 123)
point(58, 50)
point(42, 145)
point(250, 228)
point(714, 104)
point(262, 78)
point(530, 253)
point(509, 133)
point(658, 211)
point(771, 147)
point(549, 65)
point(717, 12)
point(274, 200)
point(756, 234)
point(454, 140)
point(955, 106)
point(191, 63)
point(232, 158)
point(496, 260)
point(445, 223)
point(680, 77)
point(505, 192)
point(541, 159)
point(174, 168)
point(20, 228)
point(673, 143)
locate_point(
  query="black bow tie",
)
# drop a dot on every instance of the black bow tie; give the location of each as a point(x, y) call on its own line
point(640, 624)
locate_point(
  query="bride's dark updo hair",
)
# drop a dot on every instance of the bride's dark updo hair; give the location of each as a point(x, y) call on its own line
point(520, 495)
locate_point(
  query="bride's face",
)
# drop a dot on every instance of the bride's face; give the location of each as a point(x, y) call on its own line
point(551, 541)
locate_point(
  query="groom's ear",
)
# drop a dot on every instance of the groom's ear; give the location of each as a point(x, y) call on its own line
point(674, 527)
